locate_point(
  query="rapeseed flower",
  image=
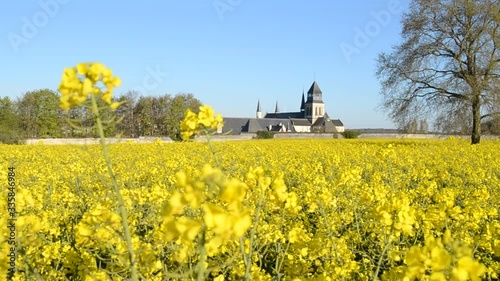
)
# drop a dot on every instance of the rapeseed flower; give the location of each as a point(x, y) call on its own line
point(77, 83)
point(204, 120)
point(301, 209)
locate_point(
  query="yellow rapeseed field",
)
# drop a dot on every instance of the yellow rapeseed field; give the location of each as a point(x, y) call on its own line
point(255, 210)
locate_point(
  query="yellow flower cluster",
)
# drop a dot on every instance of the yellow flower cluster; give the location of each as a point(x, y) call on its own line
point(272, 209)
point(97, 227)
point(207, 207)
point(87, 79)
point(205, 119)
point(443, 259)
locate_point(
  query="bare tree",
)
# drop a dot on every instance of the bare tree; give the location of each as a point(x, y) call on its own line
point(424, 127)
point(412, 127)
point(448, 62)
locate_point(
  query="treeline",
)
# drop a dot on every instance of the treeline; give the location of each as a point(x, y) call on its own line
point(37, 115)
point(457, 124)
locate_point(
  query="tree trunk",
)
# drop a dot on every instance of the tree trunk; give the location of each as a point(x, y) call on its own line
point(476, 120)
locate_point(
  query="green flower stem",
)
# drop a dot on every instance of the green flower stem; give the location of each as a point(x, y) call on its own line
point(203, 256)
point(247, 259)
point(379, 263)
point(201, 244)
point(121, 203)
point(210, 146)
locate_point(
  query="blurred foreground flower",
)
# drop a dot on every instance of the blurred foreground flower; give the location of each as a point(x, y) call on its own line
point(87, 78)
point(443, 259)
point(194, 123)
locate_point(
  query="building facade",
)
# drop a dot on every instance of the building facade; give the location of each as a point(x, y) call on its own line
point(312, 117)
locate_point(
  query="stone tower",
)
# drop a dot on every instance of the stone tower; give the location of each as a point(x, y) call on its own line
point(314, 106)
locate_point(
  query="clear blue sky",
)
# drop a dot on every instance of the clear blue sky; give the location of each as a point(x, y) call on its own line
point(228, 53)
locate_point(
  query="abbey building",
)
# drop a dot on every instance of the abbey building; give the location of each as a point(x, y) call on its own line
point(312, 117)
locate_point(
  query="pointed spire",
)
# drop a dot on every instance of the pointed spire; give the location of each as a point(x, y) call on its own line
point(303, 104)
point(259, 113)
point(276, 110)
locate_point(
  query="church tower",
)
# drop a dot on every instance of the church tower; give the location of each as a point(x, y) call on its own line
point(314, 106)
point(259, 112)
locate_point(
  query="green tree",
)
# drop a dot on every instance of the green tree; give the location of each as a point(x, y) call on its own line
point(128, 124)
point(153, 116)
point(80, 116)
point(350, 134)
point(162, 109)
point(178, 106)
point(40, 115)
point(108, 118)
point(10, 131)
point(448, 63)
point(144, 116)
point(83, 123)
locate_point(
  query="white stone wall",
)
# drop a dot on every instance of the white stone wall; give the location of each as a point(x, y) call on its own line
point(249, 137)
point(84, 141)
point(302, 129)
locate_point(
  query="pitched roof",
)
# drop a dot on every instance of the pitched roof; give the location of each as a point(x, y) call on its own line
point(314, 89)
point(237, 126)
point(319, 122)
point(252, 126)
point(266, 123)
point(322, 121)
point(329, 127)
point(233, 125)
point(300, 122)
point(337, 122)
point(284, 115)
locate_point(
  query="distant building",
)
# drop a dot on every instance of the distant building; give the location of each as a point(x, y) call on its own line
point(312, 117)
